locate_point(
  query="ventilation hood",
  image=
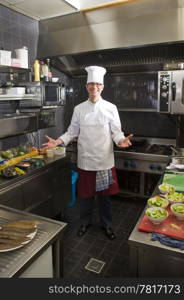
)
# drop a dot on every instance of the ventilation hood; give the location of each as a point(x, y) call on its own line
point(135, 33)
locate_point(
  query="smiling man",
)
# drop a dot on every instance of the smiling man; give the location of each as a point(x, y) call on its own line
point(96, 124)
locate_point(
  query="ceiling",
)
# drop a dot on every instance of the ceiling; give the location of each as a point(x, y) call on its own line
point(44, 9)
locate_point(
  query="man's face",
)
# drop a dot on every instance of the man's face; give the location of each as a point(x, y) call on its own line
point(94, 89)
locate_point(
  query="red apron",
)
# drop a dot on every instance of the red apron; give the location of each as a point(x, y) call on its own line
point(87, 184)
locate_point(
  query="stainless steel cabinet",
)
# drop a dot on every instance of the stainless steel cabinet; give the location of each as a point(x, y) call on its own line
point(61, 185)
point(37, 188)
point(13, 197)
point(45, 193)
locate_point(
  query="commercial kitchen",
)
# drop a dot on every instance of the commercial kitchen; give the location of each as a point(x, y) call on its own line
point(140, 43)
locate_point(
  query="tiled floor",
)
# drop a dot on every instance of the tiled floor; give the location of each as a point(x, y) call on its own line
point(78, 251)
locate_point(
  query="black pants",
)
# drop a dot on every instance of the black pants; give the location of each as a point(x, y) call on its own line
point(105, 210)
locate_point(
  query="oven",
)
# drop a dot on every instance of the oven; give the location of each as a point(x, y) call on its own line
point(54, 94)
point(44, 94)
point(140, 166)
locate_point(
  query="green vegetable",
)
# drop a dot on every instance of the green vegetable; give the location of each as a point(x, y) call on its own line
point(7, 154)
point(156, 213)
point(21, 153)
point(157, 201)
point(166, 187)
point(178, 208)
point(175, 197)
point(14, 151)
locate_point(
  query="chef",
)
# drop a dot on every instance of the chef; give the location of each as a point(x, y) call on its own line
point(96, 124)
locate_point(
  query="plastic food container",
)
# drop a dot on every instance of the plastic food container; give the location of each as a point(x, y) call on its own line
point(50, 153)
point(59, 151)
point(55, 79)
point(16, 90)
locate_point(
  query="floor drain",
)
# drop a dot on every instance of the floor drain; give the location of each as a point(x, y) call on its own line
point(95, 265)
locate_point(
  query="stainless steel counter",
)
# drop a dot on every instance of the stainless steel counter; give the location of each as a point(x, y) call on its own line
point(50, 232)
point(48, 162)
point(152, 259)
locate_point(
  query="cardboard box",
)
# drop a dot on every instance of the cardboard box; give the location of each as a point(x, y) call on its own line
point(5, 58)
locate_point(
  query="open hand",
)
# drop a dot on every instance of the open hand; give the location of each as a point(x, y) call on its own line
point(125, 142)
point(51, 142)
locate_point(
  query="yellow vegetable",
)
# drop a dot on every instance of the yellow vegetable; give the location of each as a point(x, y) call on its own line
point(19, 171)
point(16, 160)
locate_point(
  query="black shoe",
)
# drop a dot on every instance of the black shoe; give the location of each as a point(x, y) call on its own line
point(109, 233)
point(83, 229)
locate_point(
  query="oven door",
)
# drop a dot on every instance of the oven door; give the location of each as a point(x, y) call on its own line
point(177, 92)
point(51, 96)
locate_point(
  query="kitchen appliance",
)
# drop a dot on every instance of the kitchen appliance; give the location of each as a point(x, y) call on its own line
point(140, 166)
point(120, 21)
point(135, 91)
point(44, 94)
point(53, 94)
point(171, 92)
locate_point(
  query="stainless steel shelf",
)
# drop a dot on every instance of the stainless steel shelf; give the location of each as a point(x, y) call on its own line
point(10, 69)
point(138, 109)
point(5, 97)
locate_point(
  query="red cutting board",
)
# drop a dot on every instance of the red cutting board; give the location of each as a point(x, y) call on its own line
point(171, 226)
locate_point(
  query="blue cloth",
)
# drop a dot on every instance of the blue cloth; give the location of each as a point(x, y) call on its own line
point(167, 241)
point(103, 180)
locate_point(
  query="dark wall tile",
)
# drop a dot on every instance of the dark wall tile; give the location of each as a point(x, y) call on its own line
point(16, 31)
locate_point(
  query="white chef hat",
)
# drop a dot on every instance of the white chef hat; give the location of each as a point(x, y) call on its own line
point(95, 74)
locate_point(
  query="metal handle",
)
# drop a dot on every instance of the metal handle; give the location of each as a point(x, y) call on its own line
point(174, 150)
point(173, 88)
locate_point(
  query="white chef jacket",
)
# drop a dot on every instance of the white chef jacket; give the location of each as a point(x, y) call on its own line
point(96, 125)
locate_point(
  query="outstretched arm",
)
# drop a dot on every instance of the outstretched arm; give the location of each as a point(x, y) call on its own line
point(69, 135)
point(51, 143)
point(124, 143)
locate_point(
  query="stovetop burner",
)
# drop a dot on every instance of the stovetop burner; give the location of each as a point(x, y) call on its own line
point(145, 147)
point(160, 149)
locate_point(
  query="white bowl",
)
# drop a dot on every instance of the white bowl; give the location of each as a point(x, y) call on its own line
point(59, 151)
point(175, 197)
point(55, 79)
point(156, 219)
point(165, 188)
point(179, 215)
point(158, 202)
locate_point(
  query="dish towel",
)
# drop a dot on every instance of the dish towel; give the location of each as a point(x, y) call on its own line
point(103, 180)
point(167, 241)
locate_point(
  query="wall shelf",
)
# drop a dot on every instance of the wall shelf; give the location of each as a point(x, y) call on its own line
point(10, 69)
